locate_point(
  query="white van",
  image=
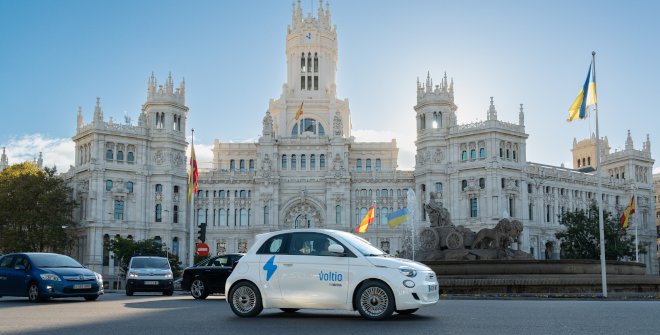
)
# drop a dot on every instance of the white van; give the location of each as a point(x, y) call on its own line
point(149, 274)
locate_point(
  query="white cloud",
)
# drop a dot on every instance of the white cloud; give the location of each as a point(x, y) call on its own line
point(656, 170)
point(58, 152)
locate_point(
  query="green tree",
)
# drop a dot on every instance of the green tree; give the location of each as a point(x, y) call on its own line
point(35, 210)
point(124, 249)
point(581, 237)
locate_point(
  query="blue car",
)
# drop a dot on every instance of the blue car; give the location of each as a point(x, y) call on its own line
point(41, 276)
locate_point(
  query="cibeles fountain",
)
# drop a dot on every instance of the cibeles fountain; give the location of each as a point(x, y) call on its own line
point(445, 241)
point(489, 261)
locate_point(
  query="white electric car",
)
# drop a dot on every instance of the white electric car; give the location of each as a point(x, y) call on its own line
point(327, 269)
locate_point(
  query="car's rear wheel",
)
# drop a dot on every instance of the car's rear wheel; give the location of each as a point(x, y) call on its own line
point(34, 294)
point(289, 310)
point(407, 311)
point(129, 292)
point(198, 289)
point(91, 297)
point(375, 300)
point(245, 299)
point(168, 293)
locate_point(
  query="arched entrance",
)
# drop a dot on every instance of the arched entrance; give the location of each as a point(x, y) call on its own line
point(302, 214)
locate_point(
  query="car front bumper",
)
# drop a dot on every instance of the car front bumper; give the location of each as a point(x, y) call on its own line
point(150, 285)
point(419, 291)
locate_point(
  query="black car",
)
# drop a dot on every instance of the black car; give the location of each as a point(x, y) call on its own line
point(209, 276)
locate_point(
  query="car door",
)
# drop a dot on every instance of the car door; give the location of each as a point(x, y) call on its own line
point(269, 267)
point(217, 272)
point(18, 278)
point(6, 263)
point(311, 277)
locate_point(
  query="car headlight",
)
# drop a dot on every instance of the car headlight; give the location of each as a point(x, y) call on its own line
point(50, 276)
point(132, 275)
point(99, 277)
point(408, 272)
point(168, 275)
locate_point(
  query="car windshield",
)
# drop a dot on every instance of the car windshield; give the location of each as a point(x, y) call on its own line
point(362, 245)
point(54, 261)
point(150, 263)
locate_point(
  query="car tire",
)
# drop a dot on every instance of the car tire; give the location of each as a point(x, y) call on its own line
point(129, 292)
point(407, 311)
point(290, 310)
point(34, 293)
point(91, 297)
point(168, 293)
point(198, 289)
point(245, 299)
point(375, 301)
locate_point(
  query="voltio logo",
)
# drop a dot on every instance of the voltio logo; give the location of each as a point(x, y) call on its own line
point(330, 276)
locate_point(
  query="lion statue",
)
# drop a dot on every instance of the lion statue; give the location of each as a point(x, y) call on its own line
point(505, 232)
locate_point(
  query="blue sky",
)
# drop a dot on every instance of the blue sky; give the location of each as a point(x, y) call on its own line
point(58, 55)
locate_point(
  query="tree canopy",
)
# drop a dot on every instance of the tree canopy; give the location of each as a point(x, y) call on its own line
point(581, 237)
point(35, 210)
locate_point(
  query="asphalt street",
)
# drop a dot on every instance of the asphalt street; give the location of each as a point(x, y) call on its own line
point(153, 314)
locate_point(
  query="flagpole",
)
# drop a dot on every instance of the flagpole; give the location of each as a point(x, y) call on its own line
point(191, 241)
point(636, 239)
point(601, 229)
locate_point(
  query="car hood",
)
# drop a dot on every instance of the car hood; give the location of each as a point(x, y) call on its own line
point(70, 271)
point(395, 263)
point(150, 271)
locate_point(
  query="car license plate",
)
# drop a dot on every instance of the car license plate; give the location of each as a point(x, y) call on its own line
point(433, 288)
point(150, 282)
point(82, 286)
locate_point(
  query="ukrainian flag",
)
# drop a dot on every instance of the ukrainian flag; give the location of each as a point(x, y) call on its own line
point(397, 217)
point(586, 98)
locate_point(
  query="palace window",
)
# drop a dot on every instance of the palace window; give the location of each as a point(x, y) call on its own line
point(473, 208)
point(109, 154)
point(438, 188)
point(303, 162)
point(482, 153)
point(473, 154)
point(312, 162)
point(159, 188)
point(464, 155)
point(232, 165)
point(108, 185)
point(266, 215)
point(358, 165)
point(159, 213)
point(242, 165)
point(283, 162)
point(378, 164)
point(119, 209)
point(293, 162)
point(482, 183)
point(251, 165)
point(337, 214)
point(368, 166)
point(175, 214)
point(322, 162)
point(120, 155)
point(131, 157)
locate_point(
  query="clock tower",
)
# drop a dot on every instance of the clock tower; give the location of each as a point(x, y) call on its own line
point(308, 106)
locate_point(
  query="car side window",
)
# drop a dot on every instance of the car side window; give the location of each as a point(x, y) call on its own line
point(313, 244)
point(220, 261)
point(6, 262)
point(21, 260)
point(275, 245)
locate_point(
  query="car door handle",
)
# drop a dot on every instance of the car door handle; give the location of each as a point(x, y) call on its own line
point(287, 264)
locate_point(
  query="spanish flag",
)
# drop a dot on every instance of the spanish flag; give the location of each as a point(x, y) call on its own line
point(586, 97)
point(369, 218)
point(299, 111)
point(630, 210)
point(193, 173)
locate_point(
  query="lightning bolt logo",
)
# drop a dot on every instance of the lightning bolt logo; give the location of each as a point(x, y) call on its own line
point(270, 268)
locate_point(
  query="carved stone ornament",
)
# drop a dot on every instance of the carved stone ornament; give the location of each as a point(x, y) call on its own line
point(337, 125)
point(266, 166)
point(83, 186)
point(177, 158)
point(159, 157)
point(268, 124)
point(303, 215)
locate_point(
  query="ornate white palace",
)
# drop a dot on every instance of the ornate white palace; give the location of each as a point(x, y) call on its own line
point(310, 172)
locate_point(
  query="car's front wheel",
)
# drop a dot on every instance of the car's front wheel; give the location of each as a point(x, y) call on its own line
point(245, 300)
point(129, 292)
point(375, 301)
point(198, 289)
point(34, 294)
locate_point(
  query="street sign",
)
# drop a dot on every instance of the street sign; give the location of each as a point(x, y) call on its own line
point(202, 249)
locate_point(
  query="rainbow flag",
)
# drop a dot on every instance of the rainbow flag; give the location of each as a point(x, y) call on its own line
point(369, 218)
point(397, 217)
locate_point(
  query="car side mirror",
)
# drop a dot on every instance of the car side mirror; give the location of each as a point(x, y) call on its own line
point(336, 249)
point(19, 267)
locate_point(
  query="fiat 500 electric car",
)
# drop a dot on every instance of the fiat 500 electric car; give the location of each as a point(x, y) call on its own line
point(327, 269)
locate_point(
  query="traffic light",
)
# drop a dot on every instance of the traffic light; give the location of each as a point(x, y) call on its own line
point(201, 233)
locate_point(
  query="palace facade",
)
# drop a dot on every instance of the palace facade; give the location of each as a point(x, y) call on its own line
point(307, 170)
